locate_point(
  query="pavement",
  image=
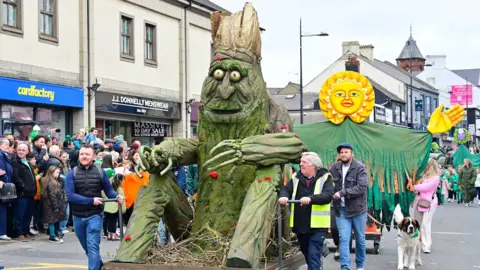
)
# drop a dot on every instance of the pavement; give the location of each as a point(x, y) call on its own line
point(455, 233)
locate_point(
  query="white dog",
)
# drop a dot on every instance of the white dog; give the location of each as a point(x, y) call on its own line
point(409, 240)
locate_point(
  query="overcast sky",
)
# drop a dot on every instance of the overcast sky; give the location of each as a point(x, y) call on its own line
point(439, 26)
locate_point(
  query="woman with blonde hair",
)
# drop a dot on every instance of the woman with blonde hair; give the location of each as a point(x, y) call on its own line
point(425, 203)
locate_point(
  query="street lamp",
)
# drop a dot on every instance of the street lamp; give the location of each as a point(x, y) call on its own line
point(322, 34)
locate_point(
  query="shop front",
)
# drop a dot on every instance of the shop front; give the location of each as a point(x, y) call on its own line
point(25, 104)
point(145, 119)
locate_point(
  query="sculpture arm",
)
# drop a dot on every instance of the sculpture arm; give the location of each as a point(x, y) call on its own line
point(260, 150)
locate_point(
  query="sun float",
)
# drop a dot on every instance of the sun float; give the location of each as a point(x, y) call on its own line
point(394, 157)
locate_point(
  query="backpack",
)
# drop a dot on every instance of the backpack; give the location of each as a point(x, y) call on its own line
point(8, 193)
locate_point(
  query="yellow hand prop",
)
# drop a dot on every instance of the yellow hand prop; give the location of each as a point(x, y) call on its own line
point(442, 121)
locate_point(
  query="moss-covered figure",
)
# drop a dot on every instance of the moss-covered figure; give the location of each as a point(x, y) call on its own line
point(240, 148)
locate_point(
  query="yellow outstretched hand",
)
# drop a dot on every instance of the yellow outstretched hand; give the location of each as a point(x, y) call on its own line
point(442, 121)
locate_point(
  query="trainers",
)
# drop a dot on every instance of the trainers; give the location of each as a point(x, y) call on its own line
point(21, 238)
point(33, 231)
point(336, 256)
point(65, 231)
point(55, 240)
point(5, 238)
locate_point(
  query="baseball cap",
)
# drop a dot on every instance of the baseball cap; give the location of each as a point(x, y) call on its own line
point(344, 145)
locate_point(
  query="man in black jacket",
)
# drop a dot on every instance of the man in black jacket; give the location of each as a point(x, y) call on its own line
point(350, 203)
point(310, 220)
point(24, 179)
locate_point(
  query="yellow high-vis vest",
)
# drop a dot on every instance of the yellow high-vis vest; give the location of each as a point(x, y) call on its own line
point(320, 217)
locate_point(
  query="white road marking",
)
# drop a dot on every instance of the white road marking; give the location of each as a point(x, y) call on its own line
point(453, 233)
point(476, 266)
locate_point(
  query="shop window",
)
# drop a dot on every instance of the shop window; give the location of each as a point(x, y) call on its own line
point(17, 112)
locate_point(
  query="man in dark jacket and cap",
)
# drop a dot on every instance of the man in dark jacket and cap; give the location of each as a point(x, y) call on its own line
point(350, 203)
point(310, 219)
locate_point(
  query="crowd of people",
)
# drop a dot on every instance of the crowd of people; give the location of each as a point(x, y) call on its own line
point(39, 169)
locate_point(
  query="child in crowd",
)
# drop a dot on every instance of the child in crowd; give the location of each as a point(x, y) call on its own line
point(53, 203)
point(111, 208)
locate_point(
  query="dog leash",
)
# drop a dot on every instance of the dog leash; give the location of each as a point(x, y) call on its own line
point(376, 221)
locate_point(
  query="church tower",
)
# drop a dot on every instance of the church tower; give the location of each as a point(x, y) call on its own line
point(411, 57)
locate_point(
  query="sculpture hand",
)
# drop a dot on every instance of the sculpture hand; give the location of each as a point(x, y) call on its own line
point(442, 121)
point(260, 150)
point(169, 152)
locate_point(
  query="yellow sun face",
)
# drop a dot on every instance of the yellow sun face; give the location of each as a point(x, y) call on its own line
point(347, 93)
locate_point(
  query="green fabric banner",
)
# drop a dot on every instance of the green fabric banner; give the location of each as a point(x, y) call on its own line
point(461, 154)
point(386, 151)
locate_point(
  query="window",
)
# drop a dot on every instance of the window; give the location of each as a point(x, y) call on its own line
point(428, 107)
point(48, 19)
point(126, 33)
point(434, 104)
point(11, 14)
point(150, 44)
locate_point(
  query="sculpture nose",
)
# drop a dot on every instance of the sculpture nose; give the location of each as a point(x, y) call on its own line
point(226, 89)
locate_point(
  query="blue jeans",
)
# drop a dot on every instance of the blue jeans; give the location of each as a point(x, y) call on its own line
point(345, 225)
point(88, 231)
point(63, 223)
point(22, 215)
point(3, 218)
point(311, 245)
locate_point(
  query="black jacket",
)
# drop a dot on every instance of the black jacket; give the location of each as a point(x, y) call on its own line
point(52, 161)
point(24, 179)
point(355, 190)
point(303, 213)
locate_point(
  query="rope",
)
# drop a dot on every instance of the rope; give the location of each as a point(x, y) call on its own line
point(376, 221)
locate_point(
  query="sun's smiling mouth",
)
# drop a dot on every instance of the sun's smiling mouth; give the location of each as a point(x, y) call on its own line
point(347, 103)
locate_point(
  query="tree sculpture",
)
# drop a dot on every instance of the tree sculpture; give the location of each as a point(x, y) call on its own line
point(240, 148)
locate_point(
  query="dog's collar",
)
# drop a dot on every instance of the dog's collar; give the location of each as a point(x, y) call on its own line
point(415, 235)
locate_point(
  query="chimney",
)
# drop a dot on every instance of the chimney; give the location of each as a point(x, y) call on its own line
point(352, 64)
point(367, 51)
point(351, 46)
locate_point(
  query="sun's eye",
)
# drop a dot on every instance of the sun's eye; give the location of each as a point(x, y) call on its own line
point(218, 74)
point(235, 76)
point(339, 94)
point(354, 94)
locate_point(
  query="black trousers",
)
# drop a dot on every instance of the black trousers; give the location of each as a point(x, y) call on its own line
point(111, 221)
point(452, 195)
point(333, 228)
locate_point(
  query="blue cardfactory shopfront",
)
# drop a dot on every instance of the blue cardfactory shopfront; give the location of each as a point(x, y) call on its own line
point(27, 103)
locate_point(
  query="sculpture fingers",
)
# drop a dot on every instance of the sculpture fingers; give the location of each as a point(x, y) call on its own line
point(169, 167)
point(231, 172)
point(224, 164)
point(220, 145)
point(229, 152)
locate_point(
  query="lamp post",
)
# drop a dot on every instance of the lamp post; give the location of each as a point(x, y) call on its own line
point(322, 34)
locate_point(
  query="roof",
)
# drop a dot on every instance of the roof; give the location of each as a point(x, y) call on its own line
point(292, 102)
point(210, 5)
point(382, 89)
point(410, 50)
point(471, 75)
point(399, 74)
point(274, 90)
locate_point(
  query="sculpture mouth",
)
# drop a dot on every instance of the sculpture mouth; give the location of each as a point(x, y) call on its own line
point(347, 103)
point(224, 112)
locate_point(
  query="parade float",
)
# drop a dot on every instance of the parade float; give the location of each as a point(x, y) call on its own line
point(245, 138)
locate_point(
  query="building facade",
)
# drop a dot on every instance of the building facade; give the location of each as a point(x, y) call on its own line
point(40, 67)
point(150, 59)
point(127, 67)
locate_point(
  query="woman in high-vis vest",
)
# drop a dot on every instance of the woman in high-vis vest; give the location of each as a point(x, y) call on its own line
point(310, 219)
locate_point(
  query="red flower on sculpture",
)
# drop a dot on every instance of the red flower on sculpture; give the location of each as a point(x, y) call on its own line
point(283, 127)
point(259, 180)
point(206, 207)
point(267, 178)
point(296, 136)
point(218, 58)
point(169, 136)
point(213, 175)
point(235, 225)
point(128, 238)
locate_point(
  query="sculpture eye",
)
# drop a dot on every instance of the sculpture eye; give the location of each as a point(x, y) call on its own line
point(354, 94)
point(218, 74)
point(235, 76)
point(339, 94)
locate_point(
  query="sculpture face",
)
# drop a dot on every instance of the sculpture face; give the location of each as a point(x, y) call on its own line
point(347, 98)
point(231, 91)
point(347, 94)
